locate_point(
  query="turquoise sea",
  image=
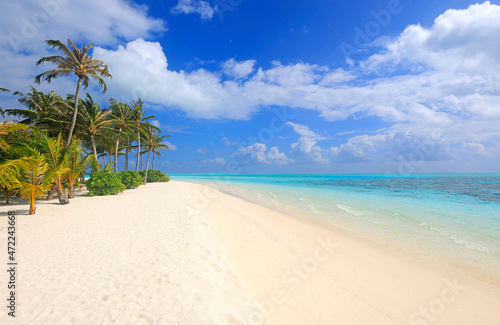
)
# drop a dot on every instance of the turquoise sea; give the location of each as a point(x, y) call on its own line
point(454, 218)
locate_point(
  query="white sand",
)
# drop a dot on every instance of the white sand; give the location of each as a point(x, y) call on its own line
point(180, 253)
point(142, 257)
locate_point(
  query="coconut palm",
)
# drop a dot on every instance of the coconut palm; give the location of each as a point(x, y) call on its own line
point(45, 111)
point(37, 176)
point(140, 124)
point(77, 165)
point(3, 90)
point(76, 61)
point(106, 144)
point(7, 127)
point(93, 121)
point(56, 158)
point(9, 159)
point(153, 143)
point(157, 146)
point(121, 116)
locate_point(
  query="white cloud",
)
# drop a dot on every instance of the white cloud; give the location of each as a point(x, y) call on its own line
point(203, 151)
point(459, 41)
point(140, 69)
point(336, 77)
point(277, 157)
point(306, 147)
point(237, 69)
point(220, 161)
point(106, 23)
point(27, 25)
point(258, 153)
point(171, 146)
point(228, 142)
point(202, 8)
point(438, 82)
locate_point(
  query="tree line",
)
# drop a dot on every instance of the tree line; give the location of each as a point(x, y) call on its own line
point(55, 139)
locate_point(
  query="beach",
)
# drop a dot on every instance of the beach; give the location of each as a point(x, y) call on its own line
point(183, 253)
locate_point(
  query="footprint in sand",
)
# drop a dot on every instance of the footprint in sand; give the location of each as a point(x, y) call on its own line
point(102, 297)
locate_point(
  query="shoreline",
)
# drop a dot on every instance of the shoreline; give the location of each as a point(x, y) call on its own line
point(396, 273)
point(479, 266)
point(187, 253)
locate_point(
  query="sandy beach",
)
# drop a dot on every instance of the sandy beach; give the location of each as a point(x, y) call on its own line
point(182, 253)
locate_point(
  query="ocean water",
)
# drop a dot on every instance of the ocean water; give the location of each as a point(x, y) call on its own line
point(453, 218)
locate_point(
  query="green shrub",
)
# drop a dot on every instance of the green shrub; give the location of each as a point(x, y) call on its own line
point(131, 179)
point(155, 176)
point(104, 183)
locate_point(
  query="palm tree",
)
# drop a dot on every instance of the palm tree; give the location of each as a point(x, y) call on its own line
point(45, 111)
point(56, 159)
point(37, 177)
point(122, 120)
point(157, 146)
point(153, 143)
point(106, 144)
point(3, 90)
point(77, 165)
point(9, 178)
point(94, 120)
point(76, 61)
point(5, 128)
point(140, 123)
point(9, 162)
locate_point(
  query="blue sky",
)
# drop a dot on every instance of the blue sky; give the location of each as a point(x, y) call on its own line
point(287, 86)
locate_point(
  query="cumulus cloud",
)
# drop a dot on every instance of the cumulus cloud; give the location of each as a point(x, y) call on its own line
point(438, 82)
point(202, 8)
point(237, 69)
point(258, 153)
point(34, 21)
point(395, 146)
point(26, 25)
point(140, 69)
point(171, 146)
point(306, 146)
point(458, 41)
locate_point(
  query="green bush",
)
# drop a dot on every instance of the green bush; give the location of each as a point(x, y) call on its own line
point(155, 176)
point(104, 183)
point(131, 179)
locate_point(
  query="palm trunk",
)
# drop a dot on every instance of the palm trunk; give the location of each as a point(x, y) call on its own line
point(92, 140)
point(104, 159)
point(50, 196)
point(116, 153)
point(75, 113)
point(32, 205)
point(147, 165)
point(138, 151)
point(141, 164)
point(60, 192)
point(71, 191)
point(154, 155)
point(126, 153)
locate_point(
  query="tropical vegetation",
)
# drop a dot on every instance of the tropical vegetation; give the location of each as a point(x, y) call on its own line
point(53, 141)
